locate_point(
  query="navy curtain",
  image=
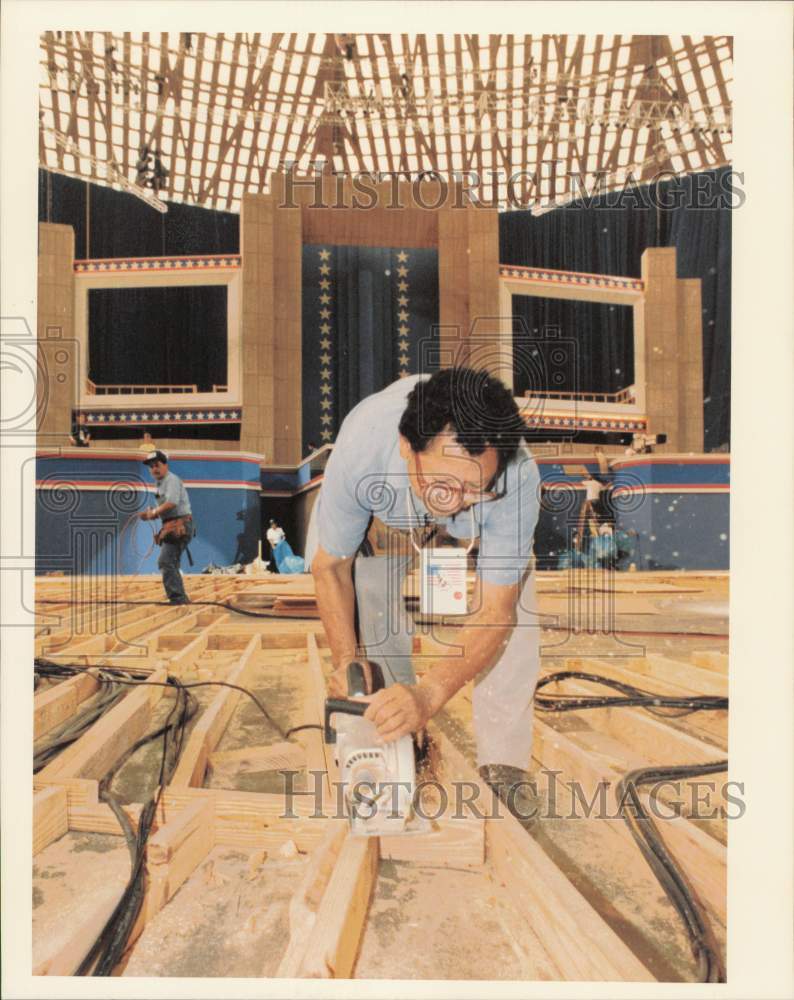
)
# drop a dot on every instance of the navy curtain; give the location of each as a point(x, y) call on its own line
point(369, 315)
point(158, 336)
point(110, 223)
point(608, 236)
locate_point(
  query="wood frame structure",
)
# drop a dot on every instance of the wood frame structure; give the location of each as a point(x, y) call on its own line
point(328, 911)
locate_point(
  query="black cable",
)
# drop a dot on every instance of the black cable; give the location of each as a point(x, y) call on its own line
point(193, 684)
point(111, 943)
point(226, 605)
point(297, 729)
point(630, 696)
point(673, 881)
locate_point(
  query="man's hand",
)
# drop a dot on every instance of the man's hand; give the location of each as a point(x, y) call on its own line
point(148, 514)
point(400, 709)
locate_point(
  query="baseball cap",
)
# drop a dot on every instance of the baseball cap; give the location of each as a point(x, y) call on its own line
point(155, 456)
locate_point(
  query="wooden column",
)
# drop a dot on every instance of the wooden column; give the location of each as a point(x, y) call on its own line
point(660, 331)
point(690, 366)
point(287, 334)
point(57, 394)
point(257, 433)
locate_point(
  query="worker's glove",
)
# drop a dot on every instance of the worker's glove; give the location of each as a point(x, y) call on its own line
point(400, 709)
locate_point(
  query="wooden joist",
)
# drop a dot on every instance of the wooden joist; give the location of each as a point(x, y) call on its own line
point(210, 727)
point(577, 940)
point(334, 940)
point(175, 851)
point(95, 753)
point(50, 817)
point(52, 707)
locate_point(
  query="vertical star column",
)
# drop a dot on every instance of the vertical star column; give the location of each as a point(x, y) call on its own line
point(325, 329)
point(403, 330)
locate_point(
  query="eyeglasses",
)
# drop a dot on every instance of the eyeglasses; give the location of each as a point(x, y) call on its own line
point(442, 489)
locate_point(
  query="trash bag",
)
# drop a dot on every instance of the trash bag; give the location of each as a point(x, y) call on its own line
point(285, 559)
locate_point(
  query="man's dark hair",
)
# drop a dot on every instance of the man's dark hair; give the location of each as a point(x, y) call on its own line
point(478, 408)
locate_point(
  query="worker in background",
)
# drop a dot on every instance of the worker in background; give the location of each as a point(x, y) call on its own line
point(589, 511)
point(177, 530)
point(147, 443)
point(80, 436)
point(427, 457)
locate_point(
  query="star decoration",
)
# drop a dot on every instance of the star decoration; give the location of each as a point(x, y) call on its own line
point(402, 256)
point(325, 269)
point(325, 344)
point(402, 271)
point(325, 297)
point(325, 254)
point(325, 328)
point(325, 314)
point(402, 300)
point(326, 435)
point(403, 286)
point(325, 404)
point(404, 360)
point(402, 315)
point(403, 331)
point(325, 283)
point(325, 359)
point(325, 418)
point(325, 374)
point(403, 345)
point(325, 390)
point(403, 373)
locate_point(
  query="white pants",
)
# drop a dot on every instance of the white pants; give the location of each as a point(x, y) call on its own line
point(502, 699)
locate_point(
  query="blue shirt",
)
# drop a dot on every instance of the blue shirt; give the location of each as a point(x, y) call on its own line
point(171, 489)
point(366, 475)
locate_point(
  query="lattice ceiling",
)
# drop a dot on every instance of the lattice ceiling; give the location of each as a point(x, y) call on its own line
point(557, 113)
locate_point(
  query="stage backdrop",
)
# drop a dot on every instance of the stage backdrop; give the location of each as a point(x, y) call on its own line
point(368, 318)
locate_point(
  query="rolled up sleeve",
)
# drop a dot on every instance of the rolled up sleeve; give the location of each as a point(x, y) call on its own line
point(508, 531)
point(342, 521)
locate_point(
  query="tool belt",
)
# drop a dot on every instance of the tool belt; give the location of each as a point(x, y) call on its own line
point(176, 529)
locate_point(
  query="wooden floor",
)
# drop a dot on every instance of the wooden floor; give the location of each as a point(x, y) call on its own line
point(240, 886)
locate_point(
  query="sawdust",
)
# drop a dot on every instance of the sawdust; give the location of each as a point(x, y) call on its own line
point(70, 877)
point(228, 919)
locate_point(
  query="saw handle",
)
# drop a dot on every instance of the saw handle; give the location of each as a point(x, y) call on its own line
point(345, 705)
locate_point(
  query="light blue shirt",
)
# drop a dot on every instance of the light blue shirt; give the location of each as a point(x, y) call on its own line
point(171, 489)
point(366, 475)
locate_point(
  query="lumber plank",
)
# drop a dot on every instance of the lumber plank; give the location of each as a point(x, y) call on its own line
point(210, 728)
point(334, 940)
point(710, 660)
point(50, 817)
point(694, 679)
point(456, 841)
point(710, 726)
point(578, 941)
point(593, 759)
point(66, 959)
point(175, 851)
point(79, 791)
point(51, 708)
point(95, 753)
point(250, 760)
point(319, 757)
point(306, 898)
point(644, 733)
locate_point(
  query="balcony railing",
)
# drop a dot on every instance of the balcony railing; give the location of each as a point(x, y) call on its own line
point(626, 395)
point(148, 389)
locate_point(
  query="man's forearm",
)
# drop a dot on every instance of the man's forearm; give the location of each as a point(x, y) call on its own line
point(336, 601)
